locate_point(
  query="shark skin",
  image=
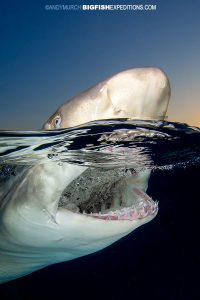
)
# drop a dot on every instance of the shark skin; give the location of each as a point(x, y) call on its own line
point(34, 231)
point(140, 93)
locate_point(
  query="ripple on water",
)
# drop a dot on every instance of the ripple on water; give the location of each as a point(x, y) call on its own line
point(104, 144)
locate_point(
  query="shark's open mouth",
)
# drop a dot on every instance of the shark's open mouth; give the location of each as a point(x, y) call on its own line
point(109, 195)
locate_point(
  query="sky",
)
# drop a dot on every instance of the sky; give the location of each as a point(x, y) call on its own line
point(49, 56)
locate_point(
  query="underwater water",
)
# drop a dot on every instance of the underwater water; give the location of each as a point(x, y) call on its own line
point(159, 260)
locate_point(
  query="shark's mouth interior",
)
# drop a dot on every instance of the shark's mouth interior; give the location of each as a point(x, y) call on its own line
point(109, 195)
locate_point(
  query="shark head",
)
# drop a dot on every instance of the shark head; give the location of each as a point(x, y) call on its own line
point(141, 93)
point(35, 231)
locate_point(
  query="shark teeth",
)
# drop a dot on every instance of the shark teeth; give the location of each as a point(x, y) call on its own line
point(137, 211)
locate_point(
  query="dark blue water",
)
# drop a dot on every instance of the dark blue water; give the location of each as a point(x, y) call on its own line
point(159, 260)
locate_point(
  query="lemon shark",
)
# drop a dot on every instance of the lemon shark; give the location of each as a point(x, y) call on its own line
point(34, 231)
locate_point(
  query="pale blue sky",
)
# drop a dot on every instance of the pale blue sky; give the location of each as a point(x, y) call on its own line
point(46, 57)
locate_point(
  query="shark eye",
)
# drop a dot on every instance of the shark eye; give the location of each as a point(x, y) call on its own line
point(57, 122)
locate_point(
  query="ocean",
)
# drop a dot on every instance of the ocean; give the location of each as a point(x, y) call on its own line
point(159, 260)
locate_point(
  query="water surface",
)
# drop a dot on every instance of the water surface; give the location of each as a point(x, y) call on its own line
point(106, 144)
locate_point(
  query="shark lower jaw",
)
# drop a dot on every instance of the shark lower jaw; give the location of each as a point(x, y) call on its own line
point(142, 208)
